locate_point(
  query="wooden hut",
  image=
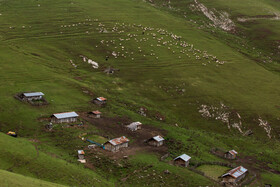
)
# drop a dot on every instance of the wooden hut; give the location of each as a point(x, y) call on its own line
point(156, 141)
point(134, 126)
point(33, 96)
point(101, 101)
point(182, 160)
point(116, 144)
point(81, 156)
point(95, 114)
point(234, 176)
point(230, 154)
point(67, 117)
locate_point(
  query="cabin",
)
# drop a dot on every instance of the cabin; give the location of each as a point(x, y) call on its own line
point(81, 156)
point(182, 160)
point(33, 96)
point(116, 144)
point(230, 154)
point(234, 176)
point(101, 101)
point(134, 126)
point(156, 141)
point(67, 117)
point(95, 114)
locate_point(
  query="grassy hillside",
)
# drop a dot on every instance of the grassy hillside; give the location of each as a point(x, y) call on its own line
point(168, 64)
point(12, 179)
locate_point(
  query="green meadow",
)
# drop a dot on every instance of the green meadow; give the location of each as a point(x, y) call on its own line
point(168, 65)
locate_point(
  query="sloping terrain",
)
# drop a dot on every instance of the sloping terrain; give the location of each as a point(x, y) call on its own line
point(204, 86)
point(12, 179)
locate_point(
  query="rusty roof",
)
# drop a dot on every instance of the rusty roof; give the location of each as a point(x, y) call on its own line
point(119, 140)
point(233, 152)
point(96, 112)
point(101, 98)
point(236, 172)
point(81, 152)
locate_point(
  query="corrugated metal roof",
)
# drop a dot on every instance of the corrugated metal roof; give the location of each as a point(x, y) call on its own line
point(96, 112)
point(65, 115)
point(158, 138)
point(134, 124)
point(33, 94)
point(101, 98)
point(233, 152)
point(81, 152)
point(236, 172)
point(119, 140)
point(184, 157)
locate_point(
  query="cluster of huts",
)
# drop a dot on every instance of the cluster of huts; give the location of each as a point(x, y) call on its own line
point(231, 177)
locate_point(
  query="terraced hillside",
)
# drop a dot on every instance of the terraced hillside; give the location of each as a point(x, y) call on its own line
point(203, 74)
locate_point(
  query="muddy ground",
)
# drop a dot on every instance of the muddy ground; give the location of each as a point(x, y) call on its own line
point(114, 127)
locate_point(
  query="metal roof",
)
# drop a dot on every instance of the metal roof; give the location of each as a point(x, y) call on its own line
point(66, 115)
point(134, 124)
point(96, 112)
point(81, 152)
point(119, 140)
point(184, 157)
point(33, 94)
point(236, 172)
point(233, 152)
point(158, 138)
point(101, 98)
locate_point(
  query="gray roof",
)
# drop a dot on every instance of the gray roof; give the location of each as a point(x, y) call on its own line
point(236, 172)
point(158, 138)
point(184, 157)
point(33, 94)
point(65, 115)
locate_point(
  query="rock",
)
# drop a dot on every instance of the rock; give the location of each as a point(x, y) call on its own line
point(167, 172)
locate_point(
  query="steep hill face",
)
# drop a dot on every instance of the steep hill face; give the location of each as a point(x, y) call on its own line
point(203, 74)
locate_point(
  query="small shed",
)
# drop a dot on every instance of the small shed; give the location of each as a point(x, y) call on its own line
point(101, 101)
point(134, 126)
point(156, 141)
point(95, 114)
point(67, 117)
point(234, 176)
point(116, 144)
point(81, 154)
point(33, 96)
point(230, 154)
point(182, 160)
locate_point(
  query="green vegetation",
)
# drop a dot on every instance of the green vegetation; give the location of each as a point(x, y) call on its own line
point(12, 179)
point(42, 46)
point(213, 171)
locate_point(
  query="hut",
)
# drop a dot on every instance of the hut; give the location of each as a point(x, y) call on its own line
point(156, 141)
point(234, 176)
point(81, 156)
point(95, 114)
point(101, 101)
point(33, 96)
point(230, 154)
point(67, 117)
point(134, 126)
point(116, 144)
point(182, 160)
